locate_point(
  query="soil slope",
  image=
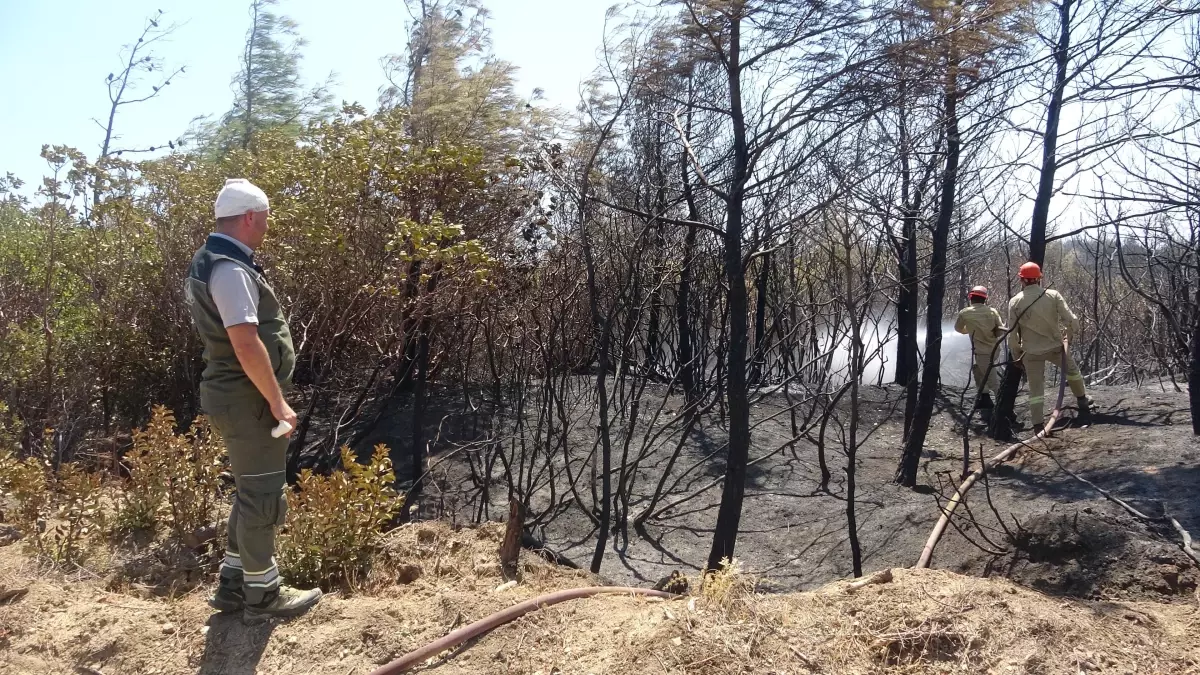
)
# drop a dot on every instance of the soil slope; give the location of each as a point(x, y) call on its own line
point(928, 622)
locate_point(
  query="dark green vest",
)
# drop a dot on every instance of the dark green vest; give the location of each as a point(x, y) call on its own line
point(223, 380)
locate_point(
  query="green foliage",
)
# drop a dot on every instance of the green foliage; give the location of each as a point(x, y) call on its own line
point(451, 83)
point(57, 515)
point(80, 515)
point(333, 523)
point(269, 94)
point(172, 478)
point(140, 503)
point(379, 222)
point(26, 483)
point(195, 478)
point(10, 430)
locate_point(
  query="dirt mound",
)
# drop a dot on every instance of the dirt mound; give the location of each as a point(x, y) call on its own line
point(436, 578)
point(1096, 555)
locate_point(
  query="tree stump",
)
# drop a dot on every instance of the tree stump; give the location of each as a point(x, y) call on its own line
point(510, 548)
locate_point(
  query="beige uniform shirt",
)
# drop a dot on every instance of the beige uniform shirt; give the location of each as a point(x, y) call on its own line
point(1044, 320)
point(983, 324)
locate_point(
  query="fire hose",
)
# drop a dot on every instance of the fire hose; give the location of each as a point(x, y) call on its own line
point(1009, 453)
point(502, 617)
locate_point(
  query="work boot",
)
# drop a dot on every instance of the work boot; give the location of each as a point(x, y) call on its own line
point(1085, 406)
point(984, 401)
point(281, 603)
point(227, 599)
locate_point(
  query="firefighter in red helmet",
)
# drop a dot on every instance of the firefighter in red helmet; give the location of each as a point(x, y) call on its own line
point(983, 323)
point(1042, 320)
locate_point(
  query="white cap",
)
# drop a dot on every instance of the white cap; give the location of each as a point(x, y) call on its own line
point(239, 196)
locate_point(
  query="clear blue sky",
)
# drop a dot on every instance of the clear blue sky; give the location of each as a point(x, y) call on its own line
point(56, 53)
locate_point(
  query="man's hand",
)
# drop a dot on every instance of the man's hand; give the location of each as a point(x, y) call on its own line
point(252, 354)
point(284, 413)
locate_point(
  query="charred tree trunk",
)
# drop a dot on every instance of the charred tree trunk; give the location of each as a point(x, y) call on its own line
point(1194, 369)
point(602, 331)
point(686, 354)
point(906, 474)
point(1041, 204)
point(419, 403)
point(730, 512)
point(1002, 416)
point(906, 320)
point(907, 358)
point(856, 371)
point(760, 321)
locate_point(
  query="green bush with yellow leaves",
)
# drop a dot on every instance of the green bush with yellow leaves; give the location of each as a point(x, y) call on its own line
point(334, 523)
point(332, 533)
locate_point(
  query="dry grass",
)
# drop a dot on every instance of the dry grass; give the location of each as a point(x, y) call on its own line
point(434, 578)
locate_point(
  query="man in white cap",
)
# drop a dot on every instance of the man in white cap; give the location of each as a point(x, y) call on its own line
point(249, 359)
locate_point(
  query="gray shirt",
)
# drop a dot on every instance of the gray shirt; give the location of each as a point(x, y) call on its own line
point(233, 289)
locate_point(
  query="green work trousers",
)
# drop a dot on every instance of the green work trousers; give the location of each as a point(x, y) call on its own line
point(1035, 370)
point(258, 462)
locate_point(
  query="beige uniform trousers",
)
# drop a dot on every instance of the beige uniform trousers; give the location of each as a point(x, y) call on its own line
point(1035, 370)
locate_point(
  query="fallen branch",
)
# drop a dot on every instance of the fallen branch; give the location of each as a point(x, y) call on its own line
point(878, 578)
point(1187, 540)
point(9, 595)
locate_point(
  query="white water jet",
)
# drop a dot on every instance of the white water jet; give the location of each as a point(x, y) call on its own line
point(879, 349)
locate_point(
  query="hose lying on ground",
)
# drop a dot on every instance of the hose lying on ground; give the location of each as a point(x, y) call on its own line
point(1009, 452)
point(502, 617)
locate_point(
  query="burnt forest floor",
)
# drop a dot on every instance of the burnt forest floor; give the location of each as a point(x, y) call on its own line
point(1059, 535)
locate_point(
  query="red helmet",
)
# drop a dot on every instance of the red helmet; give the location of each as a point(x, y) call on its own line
point(1031, 271)
point(978, 292)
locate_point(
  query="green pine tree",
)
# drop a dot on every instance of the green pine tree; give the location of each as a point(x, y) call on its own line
point(268, 90)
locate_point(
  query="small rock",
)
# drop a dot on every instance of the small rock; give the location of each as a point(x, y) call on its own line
point(406, 574)
point(200, 537)
point(168, 629)
point(8, 595)
point(677, 641)
point(1170, 574)
point(291, 639)
point(505, 586)
point(488, 569)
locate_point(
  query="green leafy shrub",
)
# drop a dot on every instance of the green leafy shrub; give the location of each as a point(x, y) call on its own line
point(172, 478)
point(79, 516)
point(193, 478)
point(26, 483)
point(333, 528)
point(140, 503)
point(57, 515)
